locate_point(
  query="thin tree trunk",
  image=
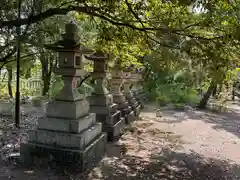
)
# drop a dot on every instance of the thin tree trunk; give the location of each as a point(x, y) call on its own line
point(234, 87)
point(9, 70)
point(206, 96)
point(47, 66)
point(214, 91)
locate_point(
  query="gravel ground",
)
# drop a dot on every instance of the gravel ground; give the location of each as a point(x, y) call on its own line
point(178, 145)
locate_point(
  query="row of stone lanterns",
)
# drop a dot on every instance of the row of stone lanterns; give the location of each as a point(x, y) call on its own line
point(75, 130)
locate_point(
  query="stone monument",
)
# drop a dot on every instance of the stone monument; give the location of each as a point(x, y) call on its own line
point(118, 96)
point(135, 90)
point(128, 93)
point(69, 135)
point(101, 100)
point(141, 97)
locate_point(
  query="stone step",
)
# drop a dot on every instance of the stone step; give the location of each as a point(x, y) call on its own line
point(108, 119)
point(103, 110)
point(130, 117)
point(100, 100)
point(67, 109)
point(72, 159)
point(113, 118)
point(116, 130)
point(67, 125)
point(63, 139)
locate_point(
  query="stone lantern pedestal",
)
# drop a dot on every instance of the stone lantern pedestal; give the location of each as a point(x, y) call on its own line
point(141, 96)
point(135, 92)
point(118, 97)
point(69, 135)
point(101, 100)
point(129, 94)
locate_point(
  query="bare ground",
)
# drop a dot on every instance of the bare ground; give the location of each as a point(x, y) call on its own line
point(180, 145)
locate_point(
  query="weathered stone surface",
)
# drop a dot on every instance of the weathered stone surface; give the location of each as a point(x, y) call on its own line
point(100, 109)
point(67, 125)
point(68, 109)
point(122, 106)
point(69, 92)
point(113, 118)
point(119, 99)
point(100, 100)
point(130, 118)
point(116, 130)
point(100, 87)
point(103, 110)
point(63, 139)
point(74, 159)
point(69, 135)
point(137, 110)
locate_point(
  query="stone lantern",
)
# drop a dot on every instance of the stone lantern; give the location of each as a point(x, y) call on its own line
point(135, 80)
point(141, 94)
point(128, 93)
point(118, 96)
point(69, 135)
point(101, 100)
point(135, 89)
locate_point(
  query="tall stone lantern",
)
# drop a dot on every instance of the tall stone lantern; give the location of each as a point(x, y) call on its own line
point(101, 100)
point(140, 91)
point(128, 93)
point(135, 89)
point(135, 80)
point(69, 135)
point(118, 96)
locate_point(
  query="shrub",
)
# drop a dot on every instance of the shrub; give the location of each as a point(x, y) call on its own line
point(171, 89)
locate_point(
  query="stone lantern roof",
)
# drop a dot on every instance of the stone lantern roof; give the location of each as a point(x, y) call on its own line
point(118, 64)
point(97, 56)
point(70, 39)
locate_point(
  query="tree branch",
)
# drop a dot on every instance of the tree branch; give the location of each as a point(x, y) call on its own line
point(46, 14)
point(23, 57)
point(84, 79)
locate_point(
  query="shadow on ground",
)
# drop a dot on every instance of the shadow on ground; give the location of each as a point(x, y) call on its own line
point(165, 160)
point(168, 165)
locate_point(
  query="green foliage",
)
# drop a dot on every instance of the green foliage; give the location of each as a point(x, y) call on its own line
point(56, 87)
point(176, 94)
point(172, 88)
point(195, 47)
point(85, 89)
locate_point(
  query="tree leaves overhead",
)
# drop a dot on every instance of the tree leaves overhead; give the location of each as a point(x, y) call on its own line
point(173, 32)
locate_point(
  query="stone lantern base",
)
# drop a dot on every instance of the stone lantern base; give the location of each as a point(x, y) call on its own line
point(140, 97)
point(72, 159)
point(78, 143)
point(108, 114)
point(126, 110)
point(134, 104)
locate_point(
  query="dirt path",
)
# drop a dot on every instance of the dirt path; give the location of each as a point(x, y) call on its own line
point(179, 145)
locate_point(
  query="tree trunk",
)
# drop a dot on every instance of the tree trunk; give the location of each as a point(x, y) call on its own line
point(46, 85)
point(47, 65)
point(214, 91)
point(206, 96)
point(9, 70)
